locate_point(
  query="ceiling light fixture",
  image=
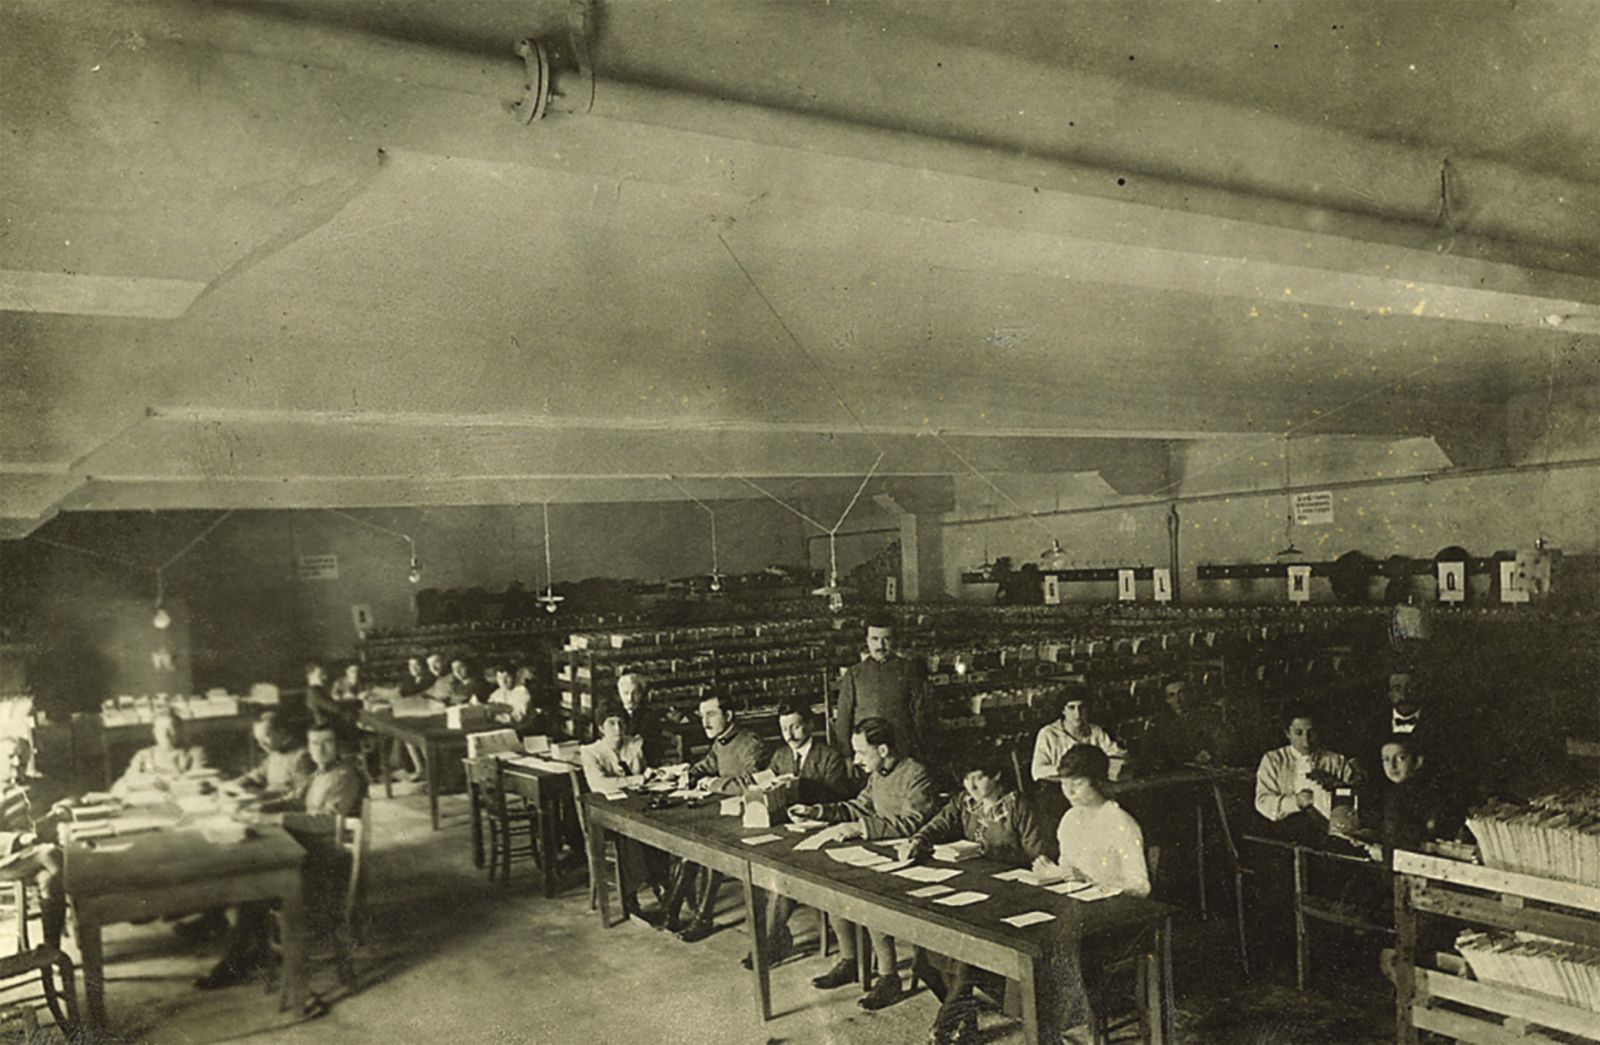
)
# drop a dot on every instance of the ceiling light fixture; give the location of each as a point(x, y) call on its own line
point(162, 620)
point(414, 567)
point(716, 576)
point(550, 600)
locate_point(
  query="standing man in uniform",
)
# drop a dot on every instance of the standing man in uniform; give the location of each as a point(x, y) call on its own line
point(886, 686)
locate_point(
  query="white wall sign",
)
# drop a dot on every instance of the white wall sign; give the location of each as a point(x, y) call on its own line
point(319, 567)
point(1314, 508)
point(1452, 581)
point(891, 589)
point(1299, 584)
point(1126, 592)
point(1162, 581)
point(1052, 590)
point(361, 613)
point(1512, 588)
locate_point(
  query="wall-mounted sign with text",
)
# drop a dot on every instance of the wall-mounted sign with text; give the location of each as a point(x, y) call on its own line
point(1161, 579)
point(1314, 508)
point(319, 567)
point(1126, 592)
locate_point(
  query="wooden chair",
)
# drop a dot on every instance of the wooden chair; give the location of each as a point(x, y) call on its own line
point(43, 961)
point(598, 875)
point(511, 820)
point(353, 834)
point(1123, 967)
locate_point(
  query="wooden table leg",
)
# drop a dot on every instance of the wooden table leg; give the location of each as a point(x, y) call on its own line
point(1028, 985)
point(549, 838)
point(1405, 956)
point(1155, 987)
point(1302, 941)
point(294, 948)
point(755, 915)
point(387, 759)
point(434, 755)
point(1200, 854)
point(1169, 997)
point(94, 977)
point(475, 811)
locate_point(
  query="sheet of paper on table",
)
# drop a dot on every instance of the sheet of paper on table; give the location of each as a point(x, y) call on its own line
point(929, 874)
point(1083, 890)
point(816, 841)
point(928, 892)
point(887, 865)
point(1021, 874)
point(1022, 921)
point(732, 806)
point(760, 839)
point(891, 844)
point(615, 796)
point(800, 827)
point(855, 854)
point(962, 899)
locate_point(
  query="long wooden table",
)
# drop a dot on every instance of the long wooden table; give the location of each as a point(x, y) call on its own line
point(428, 732)
point(174, 870)
point(546, 791)
point(974, 934)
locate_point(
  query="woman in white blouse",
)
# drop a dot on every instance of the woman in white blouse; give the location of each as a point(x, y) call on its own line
point(612, 764)
point(1100, 844)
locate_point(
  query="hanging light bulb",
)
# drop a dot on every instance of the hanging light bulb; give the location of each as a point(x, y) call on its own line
point(1053, 556)
point(833, 590)
point(414, 575)
point(162, 620)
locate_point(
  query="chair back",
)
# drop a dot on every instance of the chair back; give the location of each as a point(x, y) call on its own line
point(353, 834)
point(580, 789)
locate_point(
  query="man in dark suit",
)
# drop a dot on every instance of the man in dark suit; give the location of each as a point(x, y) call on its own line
point(884, 685)
point(824, 777)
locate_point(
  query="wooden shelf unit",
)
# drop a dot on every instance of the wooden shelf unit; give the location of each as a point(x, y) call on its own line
point(1441, 1002)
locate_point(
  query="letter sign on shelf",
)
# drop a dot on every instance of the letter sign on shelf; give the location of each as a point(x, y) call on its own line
point(1299, 584)
point(1452, 581)
point(1125, 589)
point(1052, 590)
point(891, 589)
point(1162, 579)
point(1512, 588)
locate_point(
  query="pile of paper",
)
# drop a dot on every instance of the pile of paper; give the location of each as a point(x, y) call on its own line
point(954, 852)
point(1556, 835)
point(1564, 970)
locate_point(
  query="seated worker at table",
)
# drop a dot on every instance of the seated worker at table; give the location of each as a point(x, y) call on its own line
point(823, 777)
point(335, 789)
point(338, 705)
point(349, 685)
point(1179, 735)
point(163, 762)
point(991, 813)
point(512, 700)
point(287, 764)
point(1294, 783)
point(417, 678)
point(736, 755)
point(610, 764)
point(1099, 843)
point(898, 799)
point(1411, 807)
point(461, 686)
point(27, 834)
point(1074, 727)
point(643, 719)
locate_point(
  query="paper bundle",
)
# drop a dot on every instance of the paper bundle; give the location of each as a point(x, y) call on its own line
point(1555, 835)
point(955, 852)
point(1568, 971)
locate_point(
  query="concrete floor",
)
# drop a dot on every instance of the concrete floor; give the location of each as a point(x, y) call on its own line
point(454, 958)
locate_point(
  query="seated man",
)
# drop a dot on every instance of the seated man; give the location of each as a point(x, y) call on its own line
point(350, 685)
point(644, 720)
point(417, 678)
point(512, 700)
point(898, 799)
point(460, 686)
point(287, 764)
point(733, 761)
point(1179, 735)
point(988, 812)
point(1074, 727)
point(159, 765)
point(824, 777)
point(613, 762)
point(27, 835)
point(336, 789)
point(1295, 783)
point(1411, 807)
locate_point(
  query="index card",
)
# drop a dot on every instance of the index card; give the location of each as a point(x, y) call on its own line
point(927, 892)
point(961, 899)
point(760, 839)
point(1022, 921)
point(929, 874)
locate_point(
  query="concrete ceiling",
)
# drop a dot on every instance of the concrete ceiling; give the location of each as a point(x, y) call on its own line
point(268, 255)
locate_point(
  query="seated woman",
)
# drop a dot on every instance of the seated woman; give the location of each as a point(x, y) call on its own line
point(287, 765)
point(27, 834)
point(511, 700)
point(610, 764)
point(1000, 820)
point(1295, 783)
point(167, 760)
point(1100, 844)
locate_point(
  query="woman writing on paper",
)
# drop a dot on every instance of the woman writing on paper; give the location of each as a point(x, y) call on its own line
point(1001, 822)
point(157, 766)
point(1101, 846)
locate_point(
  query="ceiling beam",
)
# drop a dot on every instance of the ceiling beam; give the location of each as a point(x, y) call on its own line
point(80, 294)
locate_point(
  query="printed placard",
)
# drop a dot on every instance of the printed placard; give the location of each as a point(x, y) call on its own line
point(891, 589)
point(1125, 588)
point(1299, 584)
point(1052, 590)
point(1313, 508)
point(1452, 581)
point(1512, 588)
point(319, 567)
point(361, 613)
point(1162, 579)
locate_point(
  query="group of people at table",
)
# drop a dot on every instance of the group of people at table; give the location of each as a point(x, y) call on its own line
point(303, 782)
point(891, 794)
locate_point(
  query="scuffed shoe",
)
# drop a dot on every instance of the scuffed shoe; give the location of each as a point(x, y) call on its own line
point(884, 993)
point(842, 974)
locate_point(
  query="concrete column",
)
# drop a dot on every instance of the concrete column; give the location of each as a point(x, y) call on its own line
point(921, 558)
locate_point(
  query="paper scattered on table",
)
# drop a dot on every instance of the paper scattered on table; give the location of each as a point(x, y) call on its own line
point(760, 839)
point(615, 795)
point(927, 892)
point(1022, 921)
point(801, 823)
point(816, 841)
point(857, 856)
point(1083, 890)
point(1021, 874)
point(929, 874)
point(732, 806)
point(954, 852)
point(888, 865)
point(961, 899)
point(891, 844)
